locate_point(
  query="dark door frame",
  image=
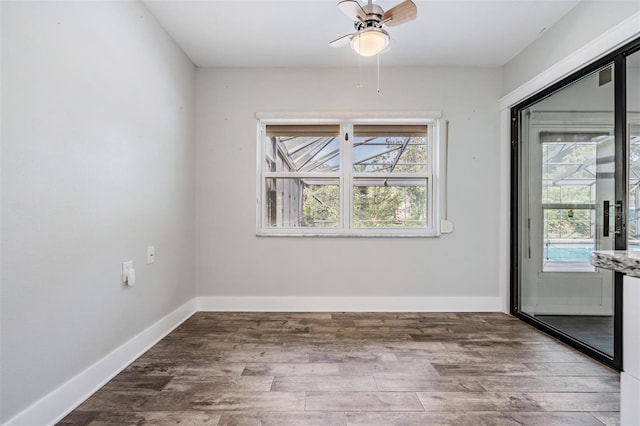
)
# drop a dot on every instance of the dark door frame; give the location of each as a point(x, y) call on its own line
point(618, 58)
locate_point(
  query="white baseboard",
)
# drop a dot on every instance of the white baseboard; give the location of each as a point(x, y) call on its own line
point(349, 304)
point(568, 309)
point(60, 402)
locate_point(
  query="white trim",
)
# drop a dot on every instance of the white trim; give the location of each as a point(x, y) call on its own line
point(54, 406)
point(504, 215)
point(347, 177)
point(616, 37)
point(590, 52)
point(437, 184)
point(346, 116)
point(348, 304)
point(593, 310)
point(260, 182)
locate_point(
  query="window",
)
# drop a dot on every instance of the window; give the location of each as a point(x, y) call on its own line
point(569, 169)
point(347, 178)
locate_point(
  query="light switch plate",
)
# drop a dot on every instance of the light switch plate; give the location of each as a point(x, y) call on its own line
point(151, 254)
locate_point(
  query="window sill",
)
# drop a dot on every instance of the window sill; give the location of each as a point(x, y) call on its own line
point(349, 235)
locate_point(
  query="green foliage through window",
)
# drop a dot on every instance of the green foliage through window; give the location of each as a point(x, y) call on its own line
point(389, 206)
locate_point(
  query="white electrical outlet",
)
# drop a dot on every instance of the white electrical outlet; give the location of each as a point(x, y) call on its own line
point(151, 254)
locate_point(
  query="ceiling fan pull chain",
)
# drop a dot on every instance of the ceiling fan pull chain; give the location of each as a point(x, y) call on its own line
point(360, 83)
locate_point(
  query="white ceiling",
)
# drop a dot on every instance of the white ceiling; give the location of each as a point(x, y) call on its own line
point(296, 33)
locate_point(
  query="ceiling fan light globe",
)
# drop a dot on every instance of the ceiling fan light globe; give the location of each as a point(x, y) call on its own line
point(370, 42)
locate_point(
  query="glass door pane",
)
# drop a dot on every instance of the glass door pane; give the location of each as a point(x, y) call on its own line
point(567, 206)
point(633, 138)
point(569, 169)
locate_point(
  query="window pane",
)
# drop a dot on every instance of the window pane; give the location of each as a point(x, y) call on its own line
point(302, 148)
point(569, 169)
point(634, 188)
point(569, 224)
point(302, 203)
point(568, 238)
point(400, 154)
point(570, 163)
point(568, 194)
point(390, 203)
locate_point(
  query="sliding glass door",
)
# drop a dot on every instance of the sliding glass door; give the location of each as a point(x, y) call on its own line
point(576, 182)
point(568, 203)
point(633, 134)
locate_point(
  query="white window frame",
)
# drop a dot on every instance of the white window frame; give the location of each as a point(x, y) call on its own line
point(346, 175)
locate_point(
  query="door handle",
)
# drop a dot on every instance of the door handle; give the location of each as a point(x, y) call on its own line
point(618, 230)
point(605, 218)
point(606, 205)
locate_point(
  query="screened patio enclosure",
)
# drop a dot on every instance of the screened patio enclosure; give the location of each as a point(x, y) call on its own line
point(286, 197)
point(633, 220)
point(569, 162)
point(386, 184)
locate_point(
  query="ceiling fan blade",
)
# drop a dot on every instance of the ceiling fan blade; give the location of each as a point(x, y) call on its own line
point(401, 13)
point(339, 42)
point(352, 9)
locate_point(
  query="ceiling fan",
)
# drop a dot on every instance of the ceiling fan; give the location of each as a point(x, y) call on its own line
point(370, 38)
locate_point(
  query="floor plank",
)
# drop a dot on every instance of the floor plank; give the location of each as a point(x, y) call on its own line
point(481, 369)
point(548, 384)
point(280, 369)
point(567, 369)
point(266, 401)
point(303, 418)
point(324, 384)
point(519, 401)
point(363, 401)
point(415, 383)
point(480, 418)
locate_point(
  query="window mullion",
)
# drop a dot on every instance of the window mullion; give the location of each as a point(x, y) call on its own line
point(346, 183)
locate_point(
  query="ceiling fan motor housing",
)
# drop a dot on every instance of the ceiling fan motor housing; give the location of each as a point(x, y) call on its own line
point(373, 18)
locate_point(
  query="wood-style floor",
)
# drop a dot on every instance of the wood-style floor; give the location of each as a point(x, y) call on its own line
point(356, 369)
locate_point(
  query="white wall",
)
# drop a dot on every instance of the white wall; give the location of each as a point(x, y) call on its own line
point(97, 163)
point(232, 261)
point(584, 23)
